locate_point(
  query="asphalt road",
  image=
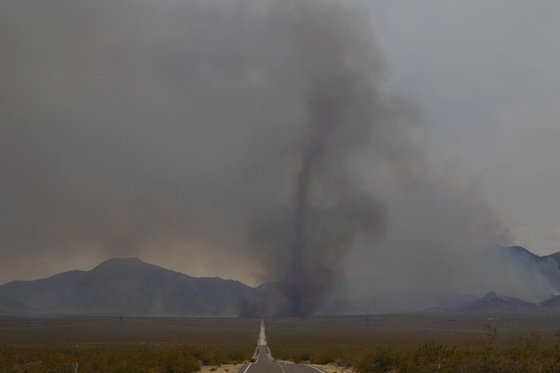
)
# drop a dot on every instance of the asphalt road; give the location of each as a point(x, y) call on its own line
point(266, 364)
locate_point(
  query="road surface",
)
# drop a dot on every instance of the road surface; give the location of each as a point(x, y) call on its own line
point(266, 364)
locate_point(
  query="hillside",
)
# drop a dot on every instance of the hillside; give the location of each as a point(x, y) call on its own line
point(124, 287)
point(492, 303)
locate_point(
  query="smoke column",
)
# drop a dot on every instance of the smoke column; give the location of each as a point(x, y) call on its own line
point(247, 139)
point(218, 130)
point(299, 288)
point(338, 99)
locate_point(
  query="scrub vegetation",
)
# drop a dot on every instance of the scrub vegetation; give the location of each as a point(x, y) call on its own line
point(527, 354)
point(369, 344)
point(424, 343)
point(124, 345)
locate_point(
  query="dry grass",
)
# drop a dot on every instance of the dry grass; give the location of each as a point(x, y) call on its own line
point(124, 345)
point(376, 344)
point(422, 343)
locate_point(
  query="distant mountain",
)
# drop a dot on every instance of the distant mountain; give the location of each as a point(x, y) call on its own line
point(523, 252)
point(531, 269)
point(124, 287)
point(552, 303)
point(268, 300)
point(130, 287)
point(492, 303)
point(546, 267)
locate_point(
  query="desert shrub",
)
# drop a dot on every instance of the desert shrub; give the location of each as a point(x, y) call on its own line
point(112, 359)
point(236, 357)
point(379, 359)
point(323, 357)
point(298, 356)
point(433, 357)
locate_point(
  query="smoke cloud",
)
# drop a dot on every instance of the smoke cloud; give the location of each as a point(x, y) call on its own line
point(251, 139)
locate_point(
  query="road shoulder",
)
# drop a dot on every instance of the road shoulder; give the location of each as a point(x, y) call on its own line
point(332, 368)
point(225, 368)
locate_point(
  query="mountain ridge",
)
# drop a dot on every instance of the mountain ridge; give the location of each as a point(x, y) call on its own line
point(124, 286)
point(132, 287)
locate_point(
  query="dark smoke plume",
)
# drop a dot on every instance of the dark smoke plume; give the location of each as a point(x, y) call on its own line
point(249, 139)
point(336, 73)
point(223, 131)
point(325, 115)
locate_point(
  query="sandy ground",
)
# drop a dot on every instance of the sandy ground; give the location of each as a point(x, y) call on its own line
point(331, 368)
point(327, 368)
point(226, 368)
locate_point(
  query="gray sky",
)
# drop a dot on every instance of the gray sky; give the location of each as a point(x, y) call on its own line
point(486, 77)
point(114, 142)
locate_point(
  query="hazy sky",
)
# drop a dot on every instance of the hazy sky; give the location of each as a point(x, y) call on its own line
point(486, 77)
point(106, 148)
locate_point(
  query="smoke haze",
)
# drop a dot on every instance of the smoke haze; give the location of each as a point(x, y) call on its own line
point(247, 139)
